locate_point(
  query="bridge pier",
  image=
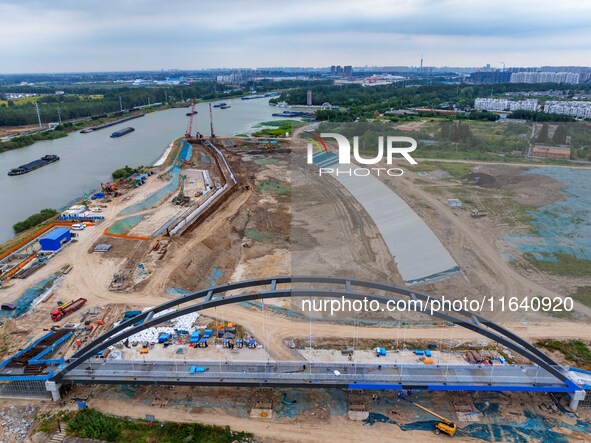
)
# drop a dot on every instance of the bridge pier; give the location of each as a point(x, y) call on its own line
point(54, 389)
point(575, 398)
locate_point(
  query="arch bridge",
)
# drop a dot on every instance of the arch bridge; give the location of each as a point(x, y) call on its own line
point(542, 375)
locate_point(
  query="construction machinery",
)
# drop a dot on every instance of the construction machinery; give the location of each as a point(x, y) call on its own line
point(191, 117)
point(211, 122)
point(67, 308)
point(445, 425)
point(181, 198)
point(475, 213)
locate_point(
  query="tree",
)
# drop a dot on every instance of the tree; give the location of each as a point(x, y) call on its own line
point(543, 135)
point(559, 136)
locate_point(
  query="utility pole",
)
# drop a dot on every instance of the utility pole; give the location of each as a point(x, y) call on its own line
point(38, 115)
point(59, 114)
point(120, 104)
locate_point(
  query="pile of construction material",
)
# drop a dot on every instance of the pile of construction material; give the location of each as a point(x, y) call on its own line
point(476, 357)
point(151, 335)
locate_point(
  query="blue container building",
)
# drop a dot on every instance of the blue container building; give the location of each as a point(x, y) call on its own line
point(55, 239)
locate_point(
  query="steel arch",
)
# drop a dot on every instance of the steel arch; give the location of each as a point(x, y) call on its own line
point(214, 296)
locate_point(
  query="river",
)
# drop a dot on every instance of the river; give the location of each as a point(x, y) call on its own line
point(86, 160)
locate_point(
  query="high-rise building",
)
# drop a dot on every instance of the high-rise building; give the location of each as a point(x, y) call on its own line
point(545, 77)
point(339, 70)
point(333, 70)
point(348, 71)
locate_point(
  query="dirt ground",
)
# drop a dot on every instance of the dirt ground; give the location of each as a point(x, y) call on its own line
point(283, 220)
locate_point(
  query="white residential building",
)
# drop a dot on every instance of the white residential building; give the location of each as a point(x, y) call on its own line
point(578, 109)
point(503, 104)
point(545, 77)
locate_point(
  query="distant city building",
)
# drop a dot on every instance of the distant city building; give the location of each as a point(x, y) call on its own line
point(234, 77)
point(339, 70)
point(571, 78)
point(551, 152)
point(348, 71)
point(333, 70)
point(576, 109)
point(503, 104)
point(490, 77)
point(374, 80)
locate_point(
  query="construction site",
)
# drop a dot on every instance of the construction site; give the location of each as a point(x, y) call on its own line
point(101, 313)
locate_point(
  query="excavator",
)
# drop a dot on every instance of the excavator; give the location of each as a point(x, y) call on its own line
point(445, 425)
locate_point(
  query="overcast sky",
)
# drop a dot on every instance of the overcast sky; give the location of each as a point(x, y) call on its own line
point(106, 35)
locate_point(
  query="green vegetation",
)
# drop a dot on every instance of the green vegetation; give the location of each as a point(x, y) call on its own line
point(456, 170)
point(280, 128)
point(26, 140)
point(540, 116)
point(583, 295)
point(92, 424)
point(563, 265)
point(255, 235)
point(273, 185)
point(34, 220)
point(574, 350)
point(123, 173)
point(364, 103)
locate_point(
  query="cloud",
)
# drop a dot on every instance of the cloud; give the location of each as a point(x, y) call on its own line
point(70, 35)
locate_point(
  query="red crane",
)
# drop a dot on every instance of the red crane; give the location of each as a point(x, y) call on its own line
point(190, 125)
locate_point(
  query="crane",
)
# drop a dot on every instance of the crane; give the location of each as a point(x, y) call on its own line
point(211, 121)
point(191, 117)
point(445, 425)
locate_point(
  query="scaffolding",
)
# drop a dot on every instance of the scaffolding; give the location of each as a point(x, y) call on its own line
point(24, 389)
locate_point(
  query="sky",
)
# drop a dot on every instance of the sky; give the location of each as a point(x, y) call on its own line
point(123, 35)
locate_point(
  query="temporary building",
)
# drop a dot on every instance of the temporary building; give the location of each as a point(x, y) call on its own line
point(55, 239)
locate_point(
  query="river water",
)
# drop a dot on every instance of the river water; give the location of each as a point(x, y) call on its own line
point(86, 160)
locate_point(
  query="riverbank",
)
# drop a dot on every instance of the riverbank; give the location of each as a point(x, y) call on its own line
point(86, 160)
point(65, 129)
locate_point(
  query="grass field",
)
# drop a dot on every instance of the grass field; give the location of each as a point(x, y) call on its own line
point(92, 424)
point(583, 295)
point(564, 265)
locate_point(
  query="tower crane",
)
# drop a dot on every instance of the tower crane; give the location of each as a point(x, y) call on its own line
point(191, 117)
point(445, 425)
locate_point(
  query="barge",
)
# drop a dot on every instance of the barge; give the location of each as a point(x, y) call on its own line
point(122, 132)
point(114, 122)
point(36, 164)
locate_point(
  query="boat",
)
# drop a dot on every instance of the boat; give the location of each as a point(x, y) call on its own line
point(219, 105)
point(114, 122)
point(36, 164)
point(189, 114)
point(292, 114)
point(225, 106)
point(122, 132)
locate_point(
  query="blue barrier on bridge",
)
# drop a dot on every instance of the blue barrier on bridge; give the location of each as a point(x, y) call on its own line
point(523, 388)
point(375, 386)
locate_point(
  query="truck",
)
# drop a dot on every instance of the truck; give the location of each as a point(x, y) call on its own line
point(67, 308)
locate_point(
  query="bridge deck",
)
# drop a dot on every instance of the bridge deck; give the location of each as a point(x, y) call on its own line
point(527, 378)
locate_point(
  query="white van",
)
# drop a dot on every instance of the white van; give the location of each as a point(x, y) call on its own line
point(78, 226)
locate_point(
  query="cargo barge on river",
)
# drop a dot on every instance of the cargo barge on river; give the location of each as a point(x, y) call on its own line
point(122, 132)
point(114, 122)
point(36, 164)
